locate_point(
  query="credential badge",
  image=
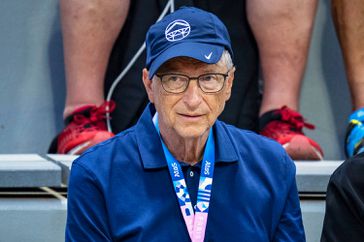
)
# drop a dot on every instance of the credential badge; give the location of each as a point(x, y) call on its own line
point(177, 30)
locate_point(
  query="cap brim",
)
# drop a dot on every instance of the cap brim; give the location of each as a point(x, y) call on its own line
point(207, 53)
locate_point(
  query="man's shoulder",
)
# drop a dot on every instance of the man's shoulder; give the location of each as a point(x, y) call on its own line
point(104, 153)
point(252, 139)
point(261, 156)
point(350, 171)
point(259, 152)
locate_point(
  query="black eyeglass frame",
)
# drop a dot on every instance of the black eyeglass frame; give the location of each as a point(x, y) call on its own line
point(160, 76)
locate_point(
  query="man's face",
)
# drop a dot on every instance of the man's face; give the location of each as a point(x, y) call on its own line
point(191, 113)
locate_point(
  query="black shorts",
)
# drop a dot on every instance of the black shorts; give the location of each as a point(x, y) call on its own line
point(130, 96)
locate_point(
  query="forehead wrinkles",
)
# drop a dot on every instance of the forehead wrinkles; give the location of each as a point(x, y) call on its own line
point(179, 63)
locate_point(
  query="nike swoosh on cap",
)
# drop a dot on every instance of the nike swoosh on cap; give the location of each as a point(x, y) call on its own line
point(208, 57)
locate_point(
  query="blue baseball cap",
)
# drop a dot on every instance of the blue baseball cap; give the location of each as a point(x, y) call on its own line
point(189, 32)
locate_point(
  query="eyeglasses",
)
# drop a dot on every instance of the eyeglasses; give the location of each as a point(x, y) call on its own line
point(178, 83)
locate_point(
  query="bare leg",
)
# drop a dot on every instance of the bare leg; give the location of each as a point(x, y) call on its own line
point(90, 29)
point(282, 29)
point(349, 22)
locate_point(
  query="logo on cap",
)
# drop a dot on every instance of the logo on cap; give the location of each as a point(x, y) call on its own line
point(177, 30)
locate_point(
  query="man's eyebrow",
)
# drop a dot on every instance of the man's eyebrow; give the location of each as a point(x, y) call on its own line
point(176, 71)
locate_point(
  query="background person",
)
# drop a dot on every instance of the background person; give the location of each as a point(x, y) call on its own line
point(344, 215)
point(101, 38)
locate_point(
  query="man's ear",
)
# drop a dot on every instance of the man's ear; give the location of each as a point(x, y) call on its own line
point(148, 85)
point(229, 83)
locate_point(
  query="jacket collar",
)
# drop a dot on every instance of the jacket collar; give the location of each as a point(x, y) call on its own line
point(150, 147)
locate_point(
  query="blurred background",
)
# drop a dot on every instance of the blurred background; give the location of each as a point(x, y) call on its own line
point(32, 80)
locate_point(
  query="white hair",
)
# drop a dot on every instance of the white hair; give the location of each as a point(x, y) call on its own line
point(226, 59)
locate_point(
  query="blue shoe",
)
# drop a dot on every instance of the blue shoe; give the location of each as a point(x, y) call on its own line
point(354, 140)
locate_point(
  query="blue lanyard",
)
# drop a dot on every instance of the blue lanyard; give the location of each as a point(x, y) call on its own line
point(195, 221)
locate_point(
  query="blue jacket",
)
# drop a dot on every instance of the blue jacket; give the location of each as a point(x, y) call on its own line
point(121, 190)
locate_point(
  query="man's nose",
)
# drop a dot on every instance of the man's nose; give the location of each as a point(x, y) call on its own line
point(192, 96)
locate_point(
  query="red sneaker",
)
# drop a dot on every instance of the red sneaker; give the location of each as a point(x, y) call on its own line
point(285, 126)
point(86, 127)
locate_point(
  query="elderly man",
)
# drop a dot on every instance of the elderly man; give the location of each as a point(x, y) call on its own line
point(179, 174)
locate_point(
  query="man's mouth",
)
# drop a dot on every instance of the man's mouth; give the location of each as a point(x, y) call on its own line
point(191, 116)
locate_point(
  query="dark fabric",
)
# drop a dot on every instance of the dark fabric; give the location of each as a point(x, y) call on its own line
point(192, 181)
point(130, 96)
point(344, 218)
point(242, 108)
point(268, 117)
point(121, 190)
